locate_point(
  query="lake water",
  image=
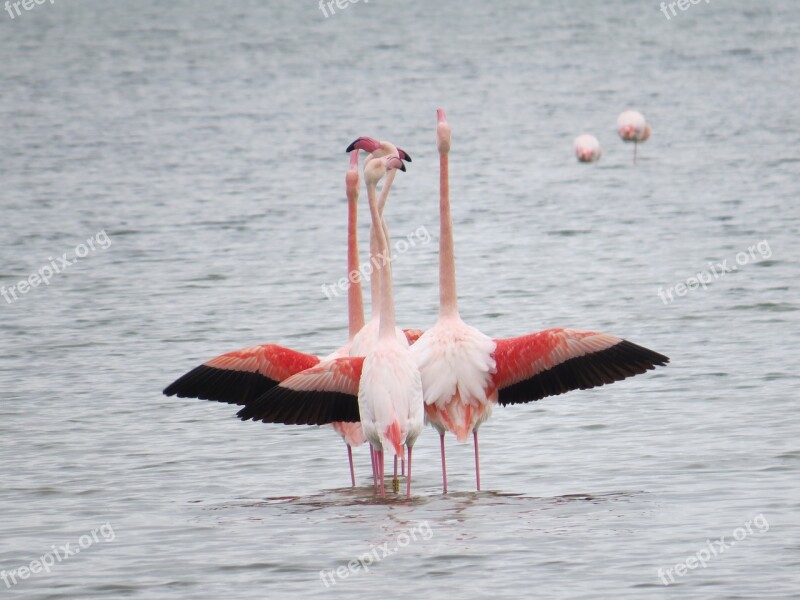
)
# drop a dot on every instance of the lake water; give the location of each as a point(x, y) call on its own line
point(199, 146)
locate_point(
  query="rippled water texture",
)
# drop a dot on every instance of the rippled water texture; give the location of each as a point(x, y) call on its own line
point(206, 140)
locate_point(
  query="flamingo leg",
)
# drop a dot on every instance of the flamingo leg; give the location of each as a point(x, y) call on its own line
point(477, 462)
point(444, 467)
point(352, 472)
point(408, 480)
point(380, 468)
point(395, 466)
point(635, 146)
point(402, 467)
point(374, 467)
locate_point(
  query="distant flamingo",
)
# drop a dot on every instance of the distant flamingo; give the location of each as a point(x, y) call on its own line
point(587, 148)
point(632, 127)
point(464, 372)
point(382, 390)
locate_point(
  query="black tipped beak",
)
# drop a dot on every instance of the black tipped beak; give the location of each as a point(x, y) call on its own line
point(404, 155)
point(403, 167)
point(352, 146)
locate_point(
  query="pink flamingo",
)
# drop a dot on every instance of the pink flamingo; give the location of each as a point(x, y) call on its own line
point(382, 390)
point(587, 148)
point(368, 336)
point(632, 127)
point(390, 389)
point(465, 373)
point(352, 433)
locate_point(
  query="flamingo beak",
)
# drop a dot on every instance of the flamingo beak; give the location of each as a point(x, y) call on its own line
point(393, 162)
point(367, 144)
point(404, 155)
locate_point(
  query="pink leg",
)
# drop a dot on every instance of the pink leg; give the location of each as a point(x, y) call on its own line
point(402, 467)
point(408, 481)
point(635, 146)
point(477, 462)
point(352, 472)
point(444, 467)
point(395, 466)
point(374, 467)
point(380, 468)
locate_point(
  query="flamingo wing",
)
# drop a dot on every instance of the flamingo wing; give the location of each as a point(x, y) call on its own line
point(556, 361)
point(412, 335)
point(241, 376)
point(325, 393)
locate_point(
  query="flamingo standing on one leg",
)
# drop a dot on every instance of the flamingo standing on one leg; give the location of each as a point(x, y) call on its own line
point(382, 390)
point(464, 372)
point(587, 148)
point(632, 127)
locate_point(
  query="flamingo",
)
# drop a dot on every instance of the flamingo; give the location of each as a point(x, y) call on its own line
point(382, 390)
point(632, 127)
point(587, 148)
point(360, 338)
point(465, 373)
point(368, 337)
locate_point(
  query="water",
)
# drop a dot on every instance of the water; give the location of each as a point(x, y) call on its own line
point(206, 140)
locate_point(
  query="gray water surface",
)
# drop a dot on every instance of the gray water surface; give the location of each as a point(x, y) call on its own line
point(206, 140)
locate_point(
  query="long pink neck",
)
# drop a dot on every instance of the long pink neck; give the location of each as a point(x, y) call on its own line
point(355, 298)
point(448, 299)
point(374, 247)
point(386, 301)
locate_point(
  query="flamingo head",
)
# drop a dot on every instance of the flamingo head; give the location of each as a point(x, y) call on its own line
point(351, 178)
point(442, 132)
point(365, 143)
point(375, 169)
point(378, 148)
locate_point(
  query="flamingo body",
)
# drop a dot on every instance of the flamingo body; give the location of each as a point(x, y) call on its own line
point(632, 127)
point(587, 148)
point(456, 365)
point(390, 397)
